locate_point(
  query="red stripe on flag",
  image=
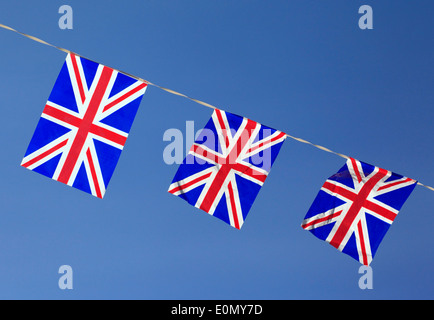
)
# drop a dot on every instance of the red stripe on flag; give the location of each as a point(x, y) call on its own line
point(93, 174)
point(215, 188)
point(362, 243)
point(45, 154)
point(249, 171)
point(125, 96)
point(233, 206)
point(77, 76)
point(326, 218)
point(225, 169)
point(394, 184)
point(188, 184)
point(339, 190)
point(356, 169)
point(62, 116)
point(85, 125)
point(222, 126)
point(390, 215)
point(355, 208)
point(198, 150)
point(110, 135)
point(279, 136)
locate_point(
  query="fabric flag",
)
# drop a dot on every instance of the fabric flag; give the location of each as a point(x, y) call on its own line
point(84, 125)
point(356, 206)
point(227, 166)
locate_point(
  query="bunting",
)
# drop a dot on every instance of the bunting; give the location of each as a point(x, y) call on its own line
point(227, 165)
point(86, 121)
point(356, 206)
point(84, 125)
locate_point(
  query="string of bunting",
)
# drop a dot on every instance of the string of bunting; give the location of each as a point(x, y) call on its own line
point(205, 104)
point(352, 211)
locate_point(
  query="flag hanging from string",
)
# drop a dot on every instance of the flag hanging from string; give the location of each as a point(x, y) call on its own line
point(227, 166)
point(355, 208)
point(84, 125)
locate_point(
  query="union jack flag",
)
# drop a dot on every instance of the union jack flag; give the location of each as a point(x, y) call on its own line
point(84, 125)
point(227, 165)
point(356, 206)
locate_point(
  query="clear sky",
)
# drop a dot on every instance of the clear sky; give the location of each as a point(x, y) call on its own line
point(300, 66)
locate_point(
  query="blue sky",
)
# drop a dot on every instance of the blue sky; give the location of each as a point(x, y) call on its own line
point(303, 67)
